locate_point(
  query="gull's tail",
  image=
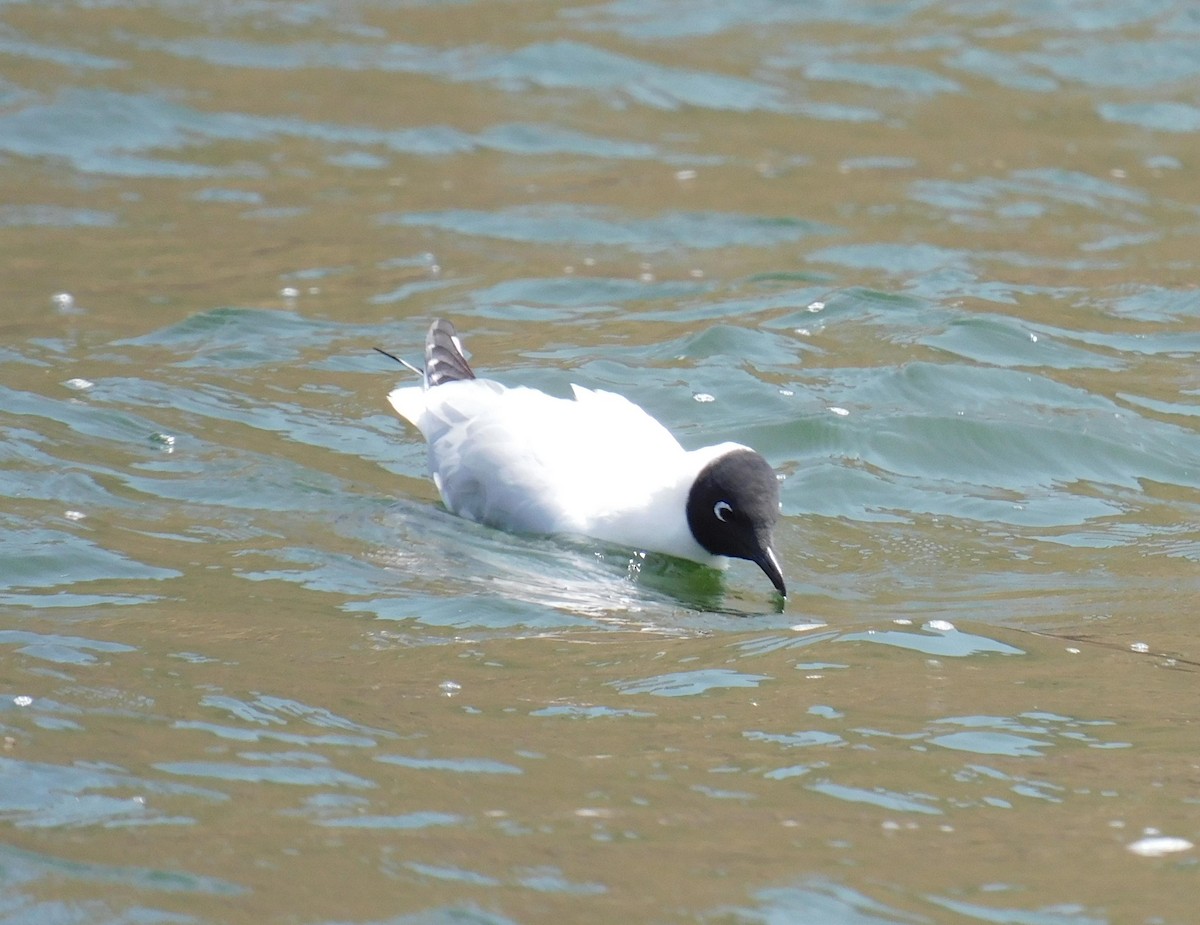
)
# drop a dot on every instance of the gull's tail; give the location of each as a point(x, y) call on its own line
point(444, 360)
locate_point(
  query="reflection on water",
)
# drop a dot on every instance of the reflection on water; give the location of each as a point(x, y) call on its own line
point(936, 261)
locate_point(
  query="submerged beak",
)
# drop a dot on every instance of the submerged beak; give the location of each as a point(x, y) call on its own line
point(769, 563)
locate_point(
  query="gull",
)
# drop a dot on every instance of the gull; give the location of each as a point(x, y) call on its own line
point(595, 465)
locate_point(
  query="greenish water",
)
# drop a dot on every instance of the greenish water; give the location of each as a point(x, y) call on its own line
point(936, 261)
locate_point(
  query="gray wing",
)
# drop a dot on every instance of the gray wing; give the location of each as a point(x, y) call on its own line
point(444, 360)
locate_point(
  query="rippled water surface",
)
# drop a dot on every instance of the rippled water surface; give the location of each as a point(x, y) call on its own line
point(936, 260)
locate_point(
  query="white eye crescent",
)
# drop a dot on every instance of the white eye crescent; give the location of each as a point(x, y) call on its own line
point(720, 508)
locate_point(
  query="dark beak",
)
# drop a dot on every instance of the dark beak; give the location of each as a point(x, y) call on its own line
point(769, 563)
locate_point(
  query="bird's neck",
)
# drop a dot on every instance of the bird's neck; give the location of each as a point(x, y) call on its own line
point(656, 520)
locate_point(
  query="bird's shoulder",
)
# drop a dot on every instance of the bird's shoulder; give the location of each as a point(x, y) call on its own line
point(616, 417)
point(593, 416)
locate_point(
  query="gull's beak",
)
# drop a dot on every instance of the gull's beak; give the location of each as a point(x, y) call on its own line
point(769, 563)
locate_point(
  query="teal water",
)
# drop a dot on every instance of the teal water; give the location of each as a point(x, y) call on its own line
point(936, 261)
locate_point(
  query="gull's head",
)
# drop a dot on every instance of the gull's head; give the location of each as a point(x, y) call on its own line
point(732, 509)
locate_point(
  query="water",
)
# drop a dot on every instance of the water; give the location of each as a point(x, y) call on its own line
point(936, 261)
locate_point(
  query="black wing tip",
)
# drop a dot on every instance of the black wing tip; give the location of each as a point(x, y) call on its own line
point(403, 362)
point(444, 360)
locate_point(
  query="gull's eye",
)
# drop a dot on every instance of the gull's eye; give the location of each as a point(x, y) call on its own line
point(720, 508)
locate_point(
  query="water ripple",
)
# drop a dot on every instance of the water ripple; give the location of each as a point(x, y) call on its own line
point(689, 683)
point(551, 65)
point(44, 796)
point(555, 223)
